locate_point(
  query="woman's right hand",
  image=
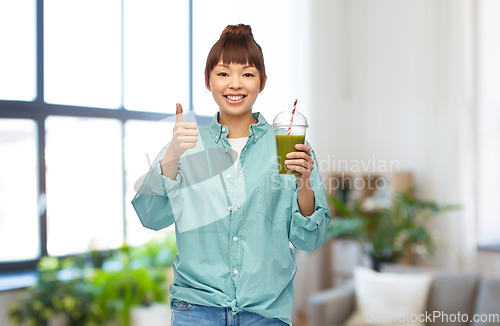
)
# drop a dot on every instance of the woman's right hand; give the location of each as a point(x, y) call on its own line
point(185, 135)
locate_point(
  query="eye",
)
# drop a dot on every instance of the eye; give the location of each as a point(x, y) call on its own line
point(248, 75)
point(223, 74)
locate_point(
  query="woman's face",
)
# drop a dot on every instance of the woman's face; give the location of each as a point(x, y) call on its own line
point(234, 87)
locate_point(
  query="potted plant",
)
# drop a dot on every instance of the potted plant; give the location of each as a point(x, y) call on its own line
point(125, 283)
point(121, 290)
point(388, 232)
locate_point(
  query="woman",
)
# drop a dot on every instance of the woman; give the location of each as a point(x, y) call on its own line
point(235, 216)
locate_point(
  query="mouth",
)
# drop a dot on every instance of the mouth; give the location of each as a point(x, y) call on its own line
point(234, 99)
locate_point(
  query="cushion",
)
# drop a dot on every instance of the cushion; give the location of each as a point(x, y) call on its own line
point(488, 303)
point(389, 298)
point(451, 293)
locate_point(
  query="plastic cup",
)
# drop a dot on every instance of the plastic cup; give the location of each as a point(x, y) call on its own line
point(286, 143)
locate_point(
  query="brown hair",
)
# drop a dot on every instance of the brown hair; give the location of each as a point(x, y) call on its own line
point(236, 45)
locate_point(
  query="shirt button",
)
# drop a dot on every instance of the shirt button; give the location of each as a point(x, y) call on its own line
point(225, 150)
point(223, 129)
point(230, 208)
point(237, 206)
point(235, 238)
point(255, 136)
point(229, 176)
point(235, 271)
point(216, 137)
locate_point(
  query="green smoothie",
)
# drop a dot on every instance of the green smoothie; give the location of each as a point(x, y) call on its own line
point(284, 145)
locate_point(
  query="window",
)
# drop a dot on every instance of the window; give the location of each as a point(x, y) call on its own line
point(18, 190)
point(488, 122)
point(156, 53)
point(18, 56)
point(82, 52)
point(83, 159)
point(71, 127)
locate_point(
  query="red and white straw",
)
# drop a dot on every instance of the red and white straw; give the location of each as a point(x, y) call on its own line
point(291, 119)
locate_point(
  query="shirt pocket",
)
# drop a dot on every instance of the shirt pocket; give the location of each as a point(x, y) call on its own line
point(275, 197)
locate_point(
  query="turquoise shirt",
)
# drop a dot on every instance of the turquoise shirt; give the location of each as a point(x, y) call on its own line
point(233, 228)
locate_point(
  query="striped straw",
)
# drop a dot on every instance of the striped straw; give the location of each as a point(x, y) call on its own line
point(291, 119)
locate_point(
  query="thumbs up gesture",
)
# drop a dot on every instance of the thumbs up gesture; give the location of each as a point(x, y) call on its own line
point(185, 135)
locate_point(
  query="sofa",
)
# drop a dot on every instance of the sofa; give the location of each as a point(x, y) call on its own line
point(449, 293)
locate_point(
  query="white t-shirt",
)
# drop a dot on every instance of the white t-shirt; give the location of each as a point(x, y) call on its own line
point(237, 145)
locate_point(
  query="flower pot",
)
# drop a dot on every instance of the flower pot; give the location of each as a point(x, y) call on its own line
point(155, 315)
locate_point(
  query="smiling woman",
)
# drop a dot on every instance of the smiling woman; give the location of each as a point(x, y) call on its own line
point(234, 265)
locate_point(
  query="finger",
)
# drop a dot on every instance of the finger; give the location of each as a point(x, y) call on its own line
point(303, 170)
point(300, 162)
point(189, 125)
point(304, 148)
point(308, 165)
point(188, 139)
point(178, 113)
point(302, 155)
point(189, 132)
point(298, 168)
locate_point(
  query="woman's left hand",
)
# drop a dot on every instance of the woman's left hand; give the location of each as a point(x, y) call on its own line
point(301, 161)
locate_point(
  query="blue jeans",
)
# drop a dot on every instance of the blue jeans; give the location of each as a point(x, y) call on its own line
point(189, 314)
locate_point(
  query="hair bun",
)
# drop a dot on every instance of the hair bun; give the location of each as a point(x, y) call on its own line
point(238, 29)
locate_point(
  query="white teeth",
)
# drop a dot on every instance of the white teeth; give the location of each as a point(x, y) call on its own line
point(235, 98)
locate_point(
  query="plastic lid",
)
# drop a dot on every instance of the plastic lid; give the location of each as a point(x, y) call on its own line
point(283, 119)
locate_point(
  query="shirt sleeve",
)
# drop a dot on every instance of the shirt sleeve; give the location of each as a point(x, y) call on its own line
point(308, 232)
point(158, 202)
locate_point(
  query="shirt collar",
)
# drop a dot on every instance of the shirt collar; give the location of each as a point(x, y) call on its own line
point(256, 130)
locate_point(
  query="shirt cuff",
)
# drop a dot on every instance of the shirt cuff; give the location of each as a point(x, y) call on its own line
point(171, 188)
point(308, 222)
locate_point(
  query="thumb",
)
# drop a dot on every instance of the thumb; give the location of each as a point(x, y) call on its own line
point(178, 113)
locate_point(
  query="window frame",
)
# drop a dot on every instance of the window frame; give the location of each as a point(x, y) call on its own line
point(38, 111)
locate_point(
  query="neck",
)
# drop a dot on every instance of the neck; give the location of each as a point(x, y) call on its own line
point(237, 124)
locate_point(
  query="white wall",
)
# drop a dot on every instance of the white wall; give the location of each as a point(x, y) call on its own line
point(391, 80)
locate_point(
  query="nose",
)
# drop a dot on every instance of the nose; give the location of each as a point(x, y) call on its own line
point(235, 82)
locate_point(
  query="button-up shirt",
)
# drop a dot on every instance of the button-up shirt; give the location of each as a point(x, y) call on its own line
point(233, 227)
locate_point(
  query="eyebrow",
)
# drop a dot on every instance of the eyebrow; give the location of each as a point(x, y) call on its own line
point(227, 66)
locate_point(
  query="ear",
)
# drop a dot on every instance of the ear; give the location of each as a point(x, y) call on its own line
point(263, 84)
